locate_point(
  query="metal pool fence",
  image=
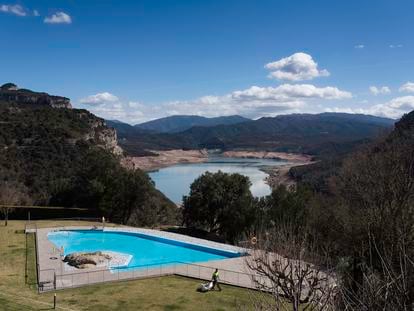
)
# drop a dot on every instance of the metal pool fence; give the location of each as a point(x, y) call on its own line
point(51, 279)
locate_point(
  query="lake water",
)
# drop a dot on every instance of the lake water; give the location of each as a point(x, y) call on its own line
point(175, 181)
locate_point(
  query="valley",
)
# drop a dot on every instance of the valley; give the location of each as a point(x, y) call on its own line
point(212, 155)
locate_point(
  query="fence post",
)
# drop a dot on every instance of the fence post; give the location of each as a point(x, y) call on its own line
point(25, 264)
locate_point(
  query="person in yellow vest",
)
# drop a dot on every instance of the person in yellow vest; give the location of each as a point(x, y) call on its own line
point(215, 279)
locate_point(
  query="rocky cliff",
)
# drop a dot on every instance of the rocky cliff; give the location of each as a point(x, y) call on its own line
point(22, 103)
point(11, 93)
point(103, 135)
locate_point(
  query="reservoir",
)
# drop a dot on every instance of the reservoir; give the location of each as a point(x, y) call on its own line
point(174, 181)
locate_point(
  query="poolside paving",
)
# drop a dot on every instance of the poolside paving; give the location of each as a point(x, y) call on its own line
point(54, 272)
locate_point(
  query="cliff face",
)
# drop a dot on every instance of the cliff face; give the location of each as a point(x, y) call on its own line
point(33, 108)
point(10, 93)
point(104, 136)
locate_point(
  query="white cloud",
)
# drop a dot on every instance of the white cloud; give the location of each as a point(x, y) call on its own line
point(99, 99)
point(394, 108)
point(36, 13)
point(287, 92)
point(407, 87)
point(395, 46)
point(379, 90)
point(252, 102)
point(359, 46)
point(15, 9)
point(297, 67)
point(258, 101)
point(58, 18)
point(135, 105)
point(404, 103)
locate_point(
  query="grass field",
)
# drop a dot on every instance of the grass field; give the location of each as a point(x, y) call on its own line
point(165, 293)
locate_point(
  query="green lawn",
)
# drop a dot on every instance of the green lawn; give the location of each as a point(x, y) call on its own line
point(165, 293)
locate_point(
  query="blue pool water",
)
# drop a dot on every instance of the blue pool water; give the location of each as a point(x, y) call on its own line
point(144, 249)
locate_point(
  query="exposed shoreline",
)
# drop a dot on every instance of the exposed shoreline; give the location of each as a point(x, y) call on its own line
point(277, 174)
point(290, 157)
point(165, 158)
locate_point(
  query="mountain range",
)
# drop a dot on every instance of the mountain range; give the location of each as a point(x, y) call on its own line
point(180, 123)
point(303, 133)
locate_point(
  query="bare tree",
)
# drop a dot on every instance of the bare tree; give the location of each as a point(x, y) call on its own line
point(385, 288)
point(285, 265)
point(9, 197)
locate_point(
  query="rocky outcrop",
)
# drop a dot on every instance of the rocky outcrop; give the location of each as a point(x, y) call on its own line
point(86, 260)
point(102, 134)
point(10, 93)
point(107, 136)
point(97, 131)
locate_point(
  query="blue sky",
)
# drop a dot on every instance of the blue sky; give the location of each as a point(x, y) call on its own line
point(140, 60)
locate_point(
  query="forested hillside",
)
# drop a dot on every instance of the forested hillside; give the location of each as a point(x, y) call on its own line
point(68, 157)
point(176, 124)
point(301, 133)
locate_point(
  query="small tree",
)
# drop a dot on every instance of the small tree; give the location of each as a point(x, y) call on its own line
point(220, 203)
point(9, 197)
point(285, 265)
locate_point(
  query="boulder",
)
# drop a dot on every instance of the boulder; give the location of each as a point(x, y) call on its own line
point(85, 260)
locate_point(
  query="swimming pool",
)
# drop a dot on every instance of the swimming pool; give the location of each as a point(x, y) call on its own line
point(144, 249)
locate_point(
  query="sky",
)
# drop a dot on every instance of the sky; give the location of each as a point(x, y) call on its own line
point(135, 61)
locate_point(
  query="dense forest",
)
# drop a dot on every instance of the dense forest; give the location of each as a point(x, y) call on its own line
point(68, 157)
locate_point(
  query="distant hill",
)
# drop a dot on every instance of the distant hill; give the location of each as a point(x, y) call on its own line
point(138, 142)
point(318, 175)
point(303, 133)
point(292, 133)
point(176, 124)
